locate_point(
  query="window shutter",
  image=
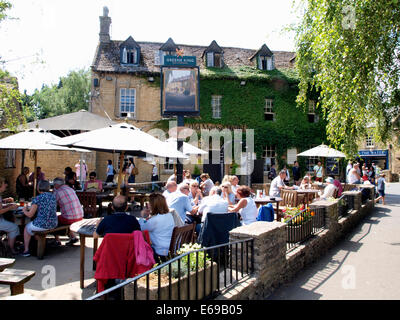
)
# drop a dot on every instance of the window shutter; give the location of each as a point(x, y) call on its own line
point(210, 59)
point(269, 63)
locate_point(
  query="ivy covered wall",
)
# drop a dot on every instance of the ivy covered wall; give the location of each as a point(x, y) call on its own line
point(244, 105)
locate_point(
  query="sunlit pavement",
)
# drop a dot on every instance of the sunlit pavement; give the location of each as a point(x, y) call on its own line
point(365, 265)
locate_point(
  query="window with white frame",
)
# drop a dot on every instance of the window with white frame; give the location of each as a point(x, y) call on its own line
point(214, 59)
point(216, 106)
point(269, 109)
point(265, 63)
point(369, 141)
point(130, 56)
point(169, 164)
point(312, 116)
point(10, 158)
point(311, 162)
point(269, 157)
point(127, 102)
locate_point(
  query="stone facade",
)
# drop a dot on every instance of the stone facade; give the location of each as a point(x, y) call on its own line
point(274, 265)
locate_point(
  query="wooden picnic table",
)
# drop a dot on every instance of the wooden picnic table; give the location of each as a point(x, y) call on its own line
point(5, 263)
point(85, 228)
point(267, 199)
point(141, 196)
point(309, 194)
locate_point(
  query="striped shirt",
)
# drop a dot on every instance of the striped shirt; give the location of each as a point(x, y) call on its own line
point(69, 203)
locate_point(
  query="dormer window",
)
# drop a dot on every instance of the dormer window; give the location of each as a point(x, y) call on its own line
point(167, 49)
point(214, 55)
point(130, 52)
point(264, 58)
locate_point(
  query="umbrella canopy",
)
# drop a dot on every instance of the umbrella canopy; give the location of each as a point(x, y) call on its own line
point(34, 139)
point(121, 137)
point(75, 121)
point(188, 148)
point(322, 151)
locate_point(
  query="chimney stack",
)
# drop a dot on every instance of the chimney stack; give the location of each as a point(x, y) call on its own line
point(105, 22)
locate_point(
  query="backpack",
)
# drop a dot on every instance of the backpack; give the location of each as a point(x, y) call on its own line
point(134, 171)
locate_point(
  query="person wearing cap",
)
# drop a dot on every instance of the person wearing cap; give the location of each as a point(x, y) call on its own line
point(329, 190)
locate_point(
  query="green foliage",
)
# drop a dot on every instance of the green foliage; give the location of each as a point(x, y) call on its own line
point(69, 95)
point(4, 5)
point(244, 105)
point(348, 51)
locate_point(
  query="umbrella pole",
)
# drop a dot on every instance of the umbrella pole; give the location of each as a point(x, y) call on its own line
point(121, 162)
point(35, 173)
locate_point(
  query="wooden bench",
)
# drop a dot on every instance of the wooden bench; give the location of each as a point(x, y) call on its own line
point(15, 279)
point(41, 238)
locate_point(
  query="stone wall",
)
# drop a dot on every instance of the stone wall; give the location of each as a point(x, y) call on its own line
point(274, 265)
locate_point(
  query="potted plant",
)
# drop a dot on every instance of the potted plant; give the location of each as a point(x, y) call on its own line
point(180, 276)
point(299, 223)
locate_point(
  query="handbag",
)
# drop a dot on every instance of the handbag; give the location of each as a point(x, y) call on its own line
point(134, 171)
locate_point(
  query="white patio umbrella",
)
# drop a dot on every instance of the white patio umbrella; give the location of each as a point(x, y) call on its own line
point(188, 148)
point(322, 151)
point(37, 140)
point(122, 138)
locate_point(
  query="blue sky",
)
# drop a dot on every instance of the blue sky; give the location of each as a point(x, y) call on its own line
point(49, 38)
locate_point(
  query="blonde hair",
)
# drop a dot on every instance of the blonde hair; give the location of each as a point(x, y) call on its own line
point(226, 178)
point(227, 184)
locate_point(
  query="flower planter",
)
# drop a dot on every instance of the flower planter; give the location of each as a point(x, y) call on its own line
point(299, 233)
point(202, 291)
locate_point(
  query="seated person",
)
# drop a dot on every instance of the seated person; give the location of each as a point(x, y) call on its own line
point(170, 188)
point(160, 223)
point(329, 190)
point(195, 194)
point(180, 201)
point(305, 183)
point(45, 207)
point(93, 184)
point(278, 184)
point(339, 186)
point(70, 179)
point(227, 193)
point(118, 222)
point(39, 175)
point(246, 206)
point(213, 203)
point(206, 184)
point(234, 181)
point(9, 227)
point(23, 189)
point(70, 207)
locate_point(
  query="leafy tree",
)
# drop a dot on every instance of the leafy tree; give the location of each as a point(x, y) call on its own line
point(69, 95)
point(349, 52)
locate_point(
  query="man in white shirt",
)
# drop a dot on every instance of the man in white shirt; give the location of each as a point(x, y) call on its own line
point(278, 184)
point(213, 203)
point(180, 201)
point(353, 177)
point(170, 188)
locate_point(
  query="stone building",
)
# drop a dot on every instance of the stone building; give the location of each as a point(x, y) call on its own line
point(126, 87)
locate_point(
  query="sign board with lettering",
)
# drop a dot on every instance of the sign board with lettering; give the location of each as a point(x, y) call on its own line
point(373, 153)
point(332, 166)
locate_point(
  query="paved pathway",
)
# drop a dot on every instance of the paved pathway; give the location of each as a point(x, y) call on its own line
point(365, 265)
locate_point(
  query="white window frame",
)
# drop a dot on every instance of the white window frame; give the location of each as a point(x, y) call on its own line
point(311, 162)
point(210, 59)
point(132, 92)
point(269, 107)
point(269, 157)
point(269, 63)
point(369, 141)
point(125, 53)
point(216, 106)
point(9, 158)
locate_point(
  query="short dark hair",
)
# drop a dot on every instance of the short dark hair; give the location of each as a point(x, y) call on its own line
point(92, 174)
point(109, 161)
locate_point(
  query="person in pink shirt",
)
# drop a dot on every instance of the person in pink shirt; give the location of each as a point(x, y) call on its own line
point(93, 184)
point(339, 186)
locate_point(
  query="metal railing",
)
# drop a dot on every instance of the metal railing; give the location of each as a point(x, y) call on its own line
point(304, 225)
point(345, 205)
point(196, 275)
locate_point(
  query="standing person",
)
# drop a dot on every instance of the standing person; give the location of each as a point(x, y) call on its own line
point(78, 171)
point(206, 184)
point(296, 173)
point(371, 174)
point(287, 178)
point(348, 168)
point(10, 228)
point(45, 207)
point(154, 177)
point(23, 189)
point(246, 206)
point(132, 171)
point(70, 207)
point(318, 172)
point(110, 171)
point(381, 188)
point(160, 223)
point(39, 175)
point(272, 173)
